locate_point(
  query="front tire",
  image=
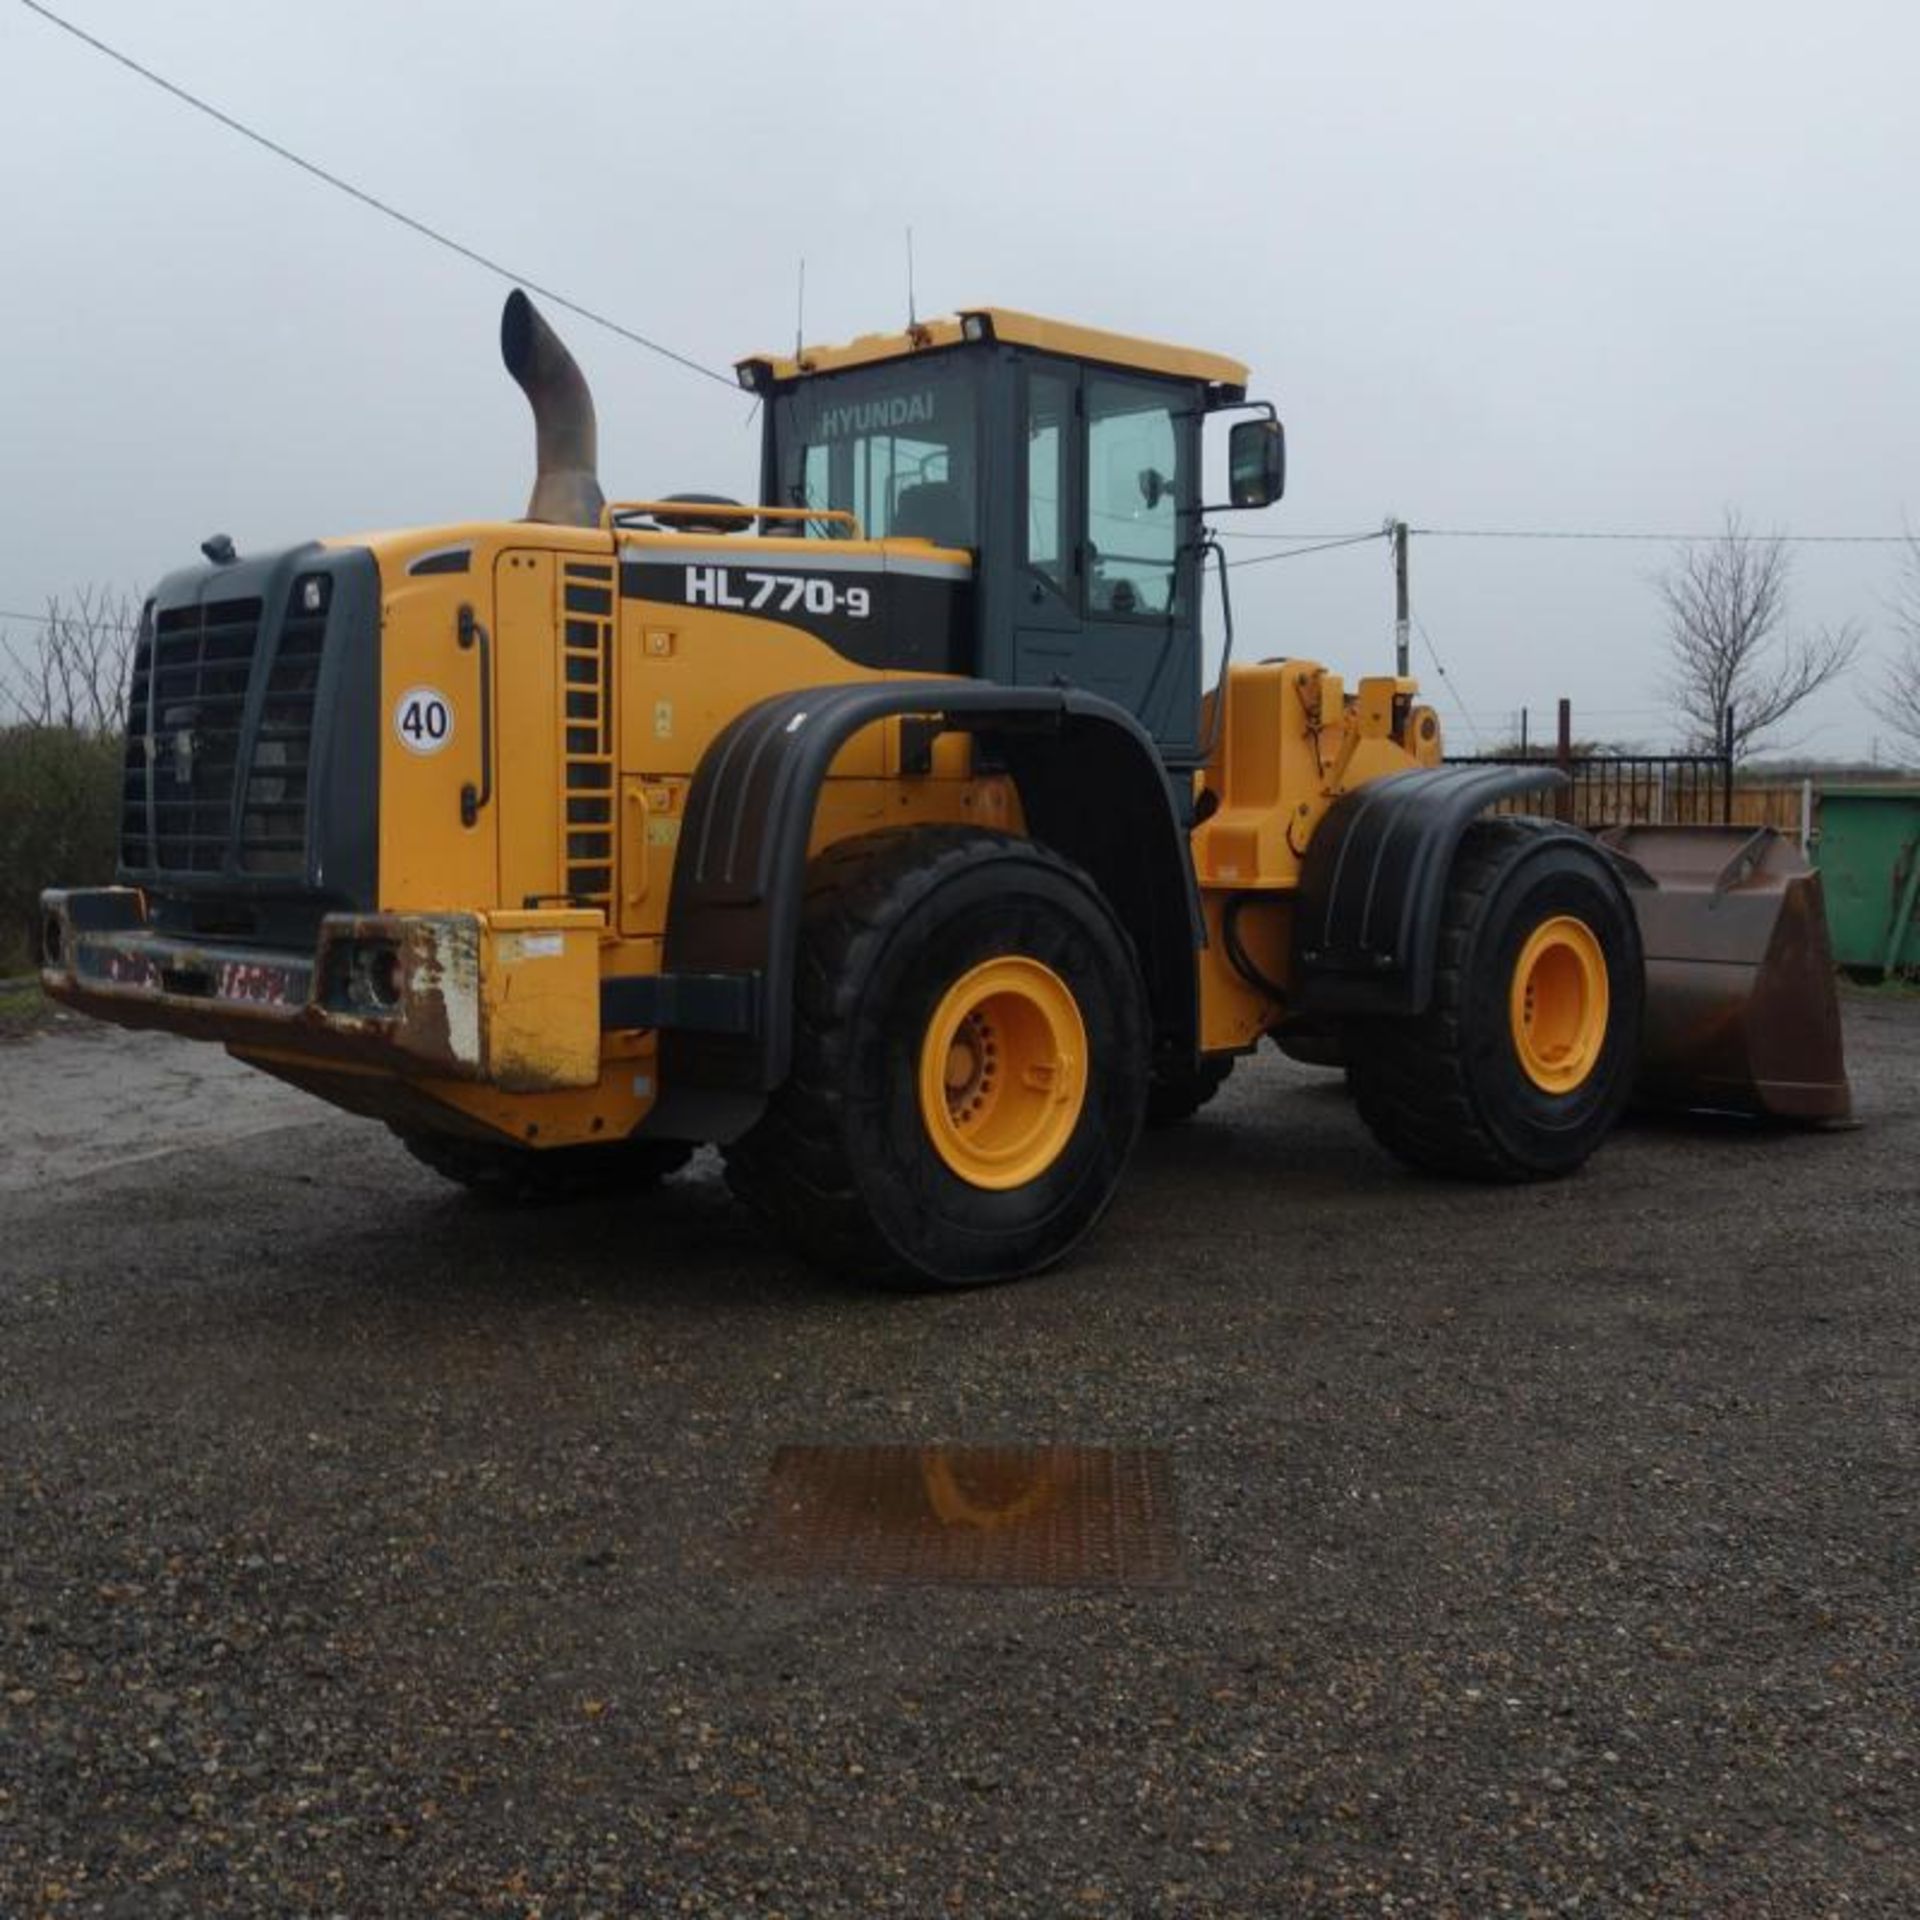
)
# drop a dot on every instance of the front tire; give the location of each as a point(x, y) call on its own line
point(970, 1063)
point(1525, 1058)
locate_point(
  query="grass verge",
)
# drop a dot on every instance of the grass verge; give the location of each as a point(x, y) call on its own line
point(24, 1009)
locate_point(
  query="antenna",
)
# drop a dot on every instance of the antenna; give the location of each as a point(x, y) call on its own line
point(912, 318)
point(1402, 646)
point(800, 312)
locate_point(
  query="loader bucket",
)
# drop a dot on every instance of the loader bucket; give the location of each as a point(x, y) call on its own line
point(1741, 1012)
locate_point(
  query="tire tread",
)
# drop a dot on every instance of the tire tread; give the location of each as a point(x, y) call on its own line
point(792, 1169)
point(1411, 1077)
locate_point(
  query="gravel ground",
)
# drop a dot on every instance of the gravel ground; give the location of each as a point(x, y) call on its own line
point(368, 1552)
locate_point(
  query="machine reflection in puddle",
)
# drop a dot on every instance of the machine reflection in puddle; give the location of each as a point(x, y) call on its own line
point(998, 1516)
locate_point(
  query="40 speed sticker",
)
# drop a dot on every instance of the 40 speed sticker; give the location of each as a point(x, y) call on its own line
point(423, 719)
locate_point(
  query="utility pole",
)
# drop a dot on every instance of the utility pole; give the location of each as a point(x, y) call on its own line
point(1402, 619)
point(1563, 759)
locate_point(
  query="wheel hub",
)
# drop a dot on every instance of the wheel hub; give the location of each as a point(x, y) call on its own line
point(1003, 1072)
point(1558, 1004)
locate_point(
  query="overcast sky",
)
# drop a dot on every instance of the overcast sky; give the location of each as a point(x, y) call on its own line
point(1606, 268)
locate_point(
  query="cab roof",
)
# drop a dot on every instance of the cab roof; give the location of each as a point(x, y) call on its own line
point(1005, 324)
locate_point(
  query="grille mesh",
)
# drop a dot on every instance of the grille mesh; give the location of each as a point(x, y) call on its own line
point(193, 748)
point(273, 820)
point(200, 666)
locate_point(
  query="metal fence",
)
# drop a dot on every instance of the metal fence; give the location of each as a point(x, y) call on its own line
point(1625, 789)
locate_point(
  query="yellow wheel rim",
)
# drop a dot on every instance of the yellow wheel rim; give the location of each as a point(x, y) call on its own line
point(1003, 1072)
point(1558, 1004)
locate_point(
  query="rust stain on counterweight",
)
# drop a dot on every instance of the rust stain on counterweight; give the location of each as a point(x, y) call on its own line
point(993, 1516)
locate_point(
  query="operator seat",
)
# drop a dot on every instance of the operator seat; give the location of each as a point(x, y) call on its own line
point(935, 510)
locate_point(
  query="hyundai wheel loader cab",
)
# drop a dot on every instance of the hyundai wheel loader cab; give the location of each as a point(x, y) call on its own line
point(1065, 461)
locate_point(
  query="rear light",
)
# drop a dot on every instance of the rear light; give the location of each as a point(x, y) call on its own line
point(365, 977)
point(374, 983)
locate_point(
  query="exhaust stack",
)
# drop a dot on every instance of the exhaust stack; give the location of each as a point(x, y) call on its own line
point(566, 484)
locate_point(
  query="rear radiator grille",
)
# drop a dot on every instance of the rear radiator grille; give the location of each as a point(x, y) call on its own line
point(211, 749)
point(586, 736)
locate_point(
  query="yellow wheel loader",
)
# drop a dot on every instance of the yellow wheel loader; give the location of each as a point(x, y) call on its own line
point(881, 832)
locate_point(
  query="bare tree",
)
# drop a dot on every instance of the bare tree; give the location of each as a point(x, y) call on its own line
point(62, 690)
point(1730, 646)
point(73, 673)
point(1899, 702)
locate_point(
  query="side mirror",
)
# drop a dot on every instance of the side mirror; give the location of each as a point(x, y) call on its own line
point(1256, 463)
point(1154, 487)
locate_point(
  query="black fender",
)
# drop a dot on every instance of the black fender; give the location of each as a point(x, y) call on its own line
point(1366, 926)
point(1092, 786)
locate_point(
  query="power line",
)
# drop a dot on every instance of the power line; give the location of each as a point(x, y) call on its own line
point(1440, 668)
point(1300, 553)
point(70, 620)
point(369, 200)
point(1228, 533)
point(1327, 543)
point(1665, 539)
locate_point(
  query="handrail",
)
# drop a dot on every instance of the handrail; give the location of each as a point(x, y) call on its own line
point(470, 634)
point(615, 511)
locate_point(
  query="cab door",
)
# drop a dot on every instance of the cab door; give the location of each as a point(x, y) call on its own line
point(1107, 578)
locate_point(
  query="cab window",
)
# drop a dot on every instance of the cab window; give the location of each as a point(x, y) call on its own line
point(1132, 495)
point(893, 445)
point(1049, 543)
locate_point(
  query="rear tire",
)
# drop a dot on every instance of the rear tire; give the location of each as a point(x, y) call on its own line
point(524, 1176)
point(1526, 1055)
point(970, 1063)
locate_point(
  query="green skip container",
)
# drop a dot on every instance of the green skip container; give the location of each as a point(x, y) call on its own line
point(1868, 853)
